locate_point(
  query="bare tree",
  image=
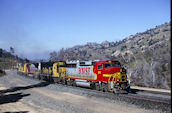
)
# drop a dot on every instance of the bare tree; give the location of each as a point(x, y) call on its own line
point(61, 54)
point(53, 56)
point(12, 52)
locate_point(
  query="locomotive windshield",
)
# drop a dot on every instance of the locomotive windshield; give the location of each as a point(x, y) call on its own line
point(117, 64)
point(114, 64)
point(108, 65)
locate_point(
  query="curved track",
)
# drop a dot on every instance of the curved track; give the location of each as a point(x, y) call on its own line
point(139, 94)
point(145, 99)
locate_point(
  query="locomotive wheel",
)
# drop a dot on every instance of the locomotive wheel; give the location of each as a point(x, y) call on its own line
point(129, 90)
point(97, 86)
point(74, 83)
point(93, 86)
point(63, 81)
point(36, 76)
point(50, 79)
point(58, 80)
point(68, 82)
point(115, 90)
point(105, 87)
point(71, 82)
point(55, 80)
point(41, 77)
point(123, 86)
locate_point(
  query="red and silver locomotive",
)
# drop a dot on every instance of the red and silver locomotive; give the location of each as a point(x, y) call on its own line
point(104, 75)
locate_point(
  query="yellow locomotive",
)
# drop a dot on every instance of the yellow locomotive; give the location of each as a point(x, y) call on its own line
point(22, 69)
point(28, 69)
point(59, 72)
point(53, 72)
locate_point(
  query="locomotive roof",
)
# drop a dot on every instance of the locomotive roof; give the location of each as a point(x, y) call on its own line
point(86, 62)
point(103, 61)
point(46, 64)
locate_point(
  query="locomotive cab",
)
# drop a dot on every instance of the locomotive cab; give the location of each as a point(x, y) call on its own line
point(112, 74)
point(59, 71)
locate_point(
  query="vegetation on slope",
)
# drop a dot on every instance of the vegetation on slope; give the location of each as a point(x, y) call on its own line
point(145, 55)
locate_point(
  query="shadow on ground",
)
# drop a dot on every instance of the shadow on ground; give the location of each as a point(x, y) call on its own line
point(13, 89)
point(2, 73)
point(18, 112)
point(134, 91)
point(11, 97)
point(14, 97)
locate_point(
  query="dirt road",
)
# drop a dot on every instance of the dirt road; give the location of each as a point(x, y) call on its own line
point(21, 94)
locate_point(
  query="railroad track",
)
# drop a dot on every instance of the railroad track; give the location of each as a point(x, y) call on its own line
point(147, 98)
point(133, 95)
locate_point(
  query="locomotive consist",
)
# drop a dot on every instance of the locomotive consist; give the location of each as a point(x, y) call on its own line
point(104, 75)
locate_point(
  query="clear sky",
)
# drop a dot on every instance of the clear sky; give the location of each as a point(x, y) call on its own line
point(36, 27)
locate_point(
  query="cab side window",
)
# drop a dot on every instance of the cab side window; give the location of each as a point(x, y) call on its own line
point(100, 67)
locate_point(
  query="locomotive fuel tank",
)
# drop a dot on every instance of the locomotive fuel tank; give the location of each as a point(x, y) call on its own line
point(83, 83)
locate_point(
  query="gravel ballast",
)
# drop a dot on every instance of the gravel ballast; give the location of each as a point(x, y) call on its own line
point(19, 93)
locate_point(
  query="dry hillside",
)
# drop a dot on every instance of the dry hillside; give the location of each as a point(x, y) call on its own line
point(146, 55)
